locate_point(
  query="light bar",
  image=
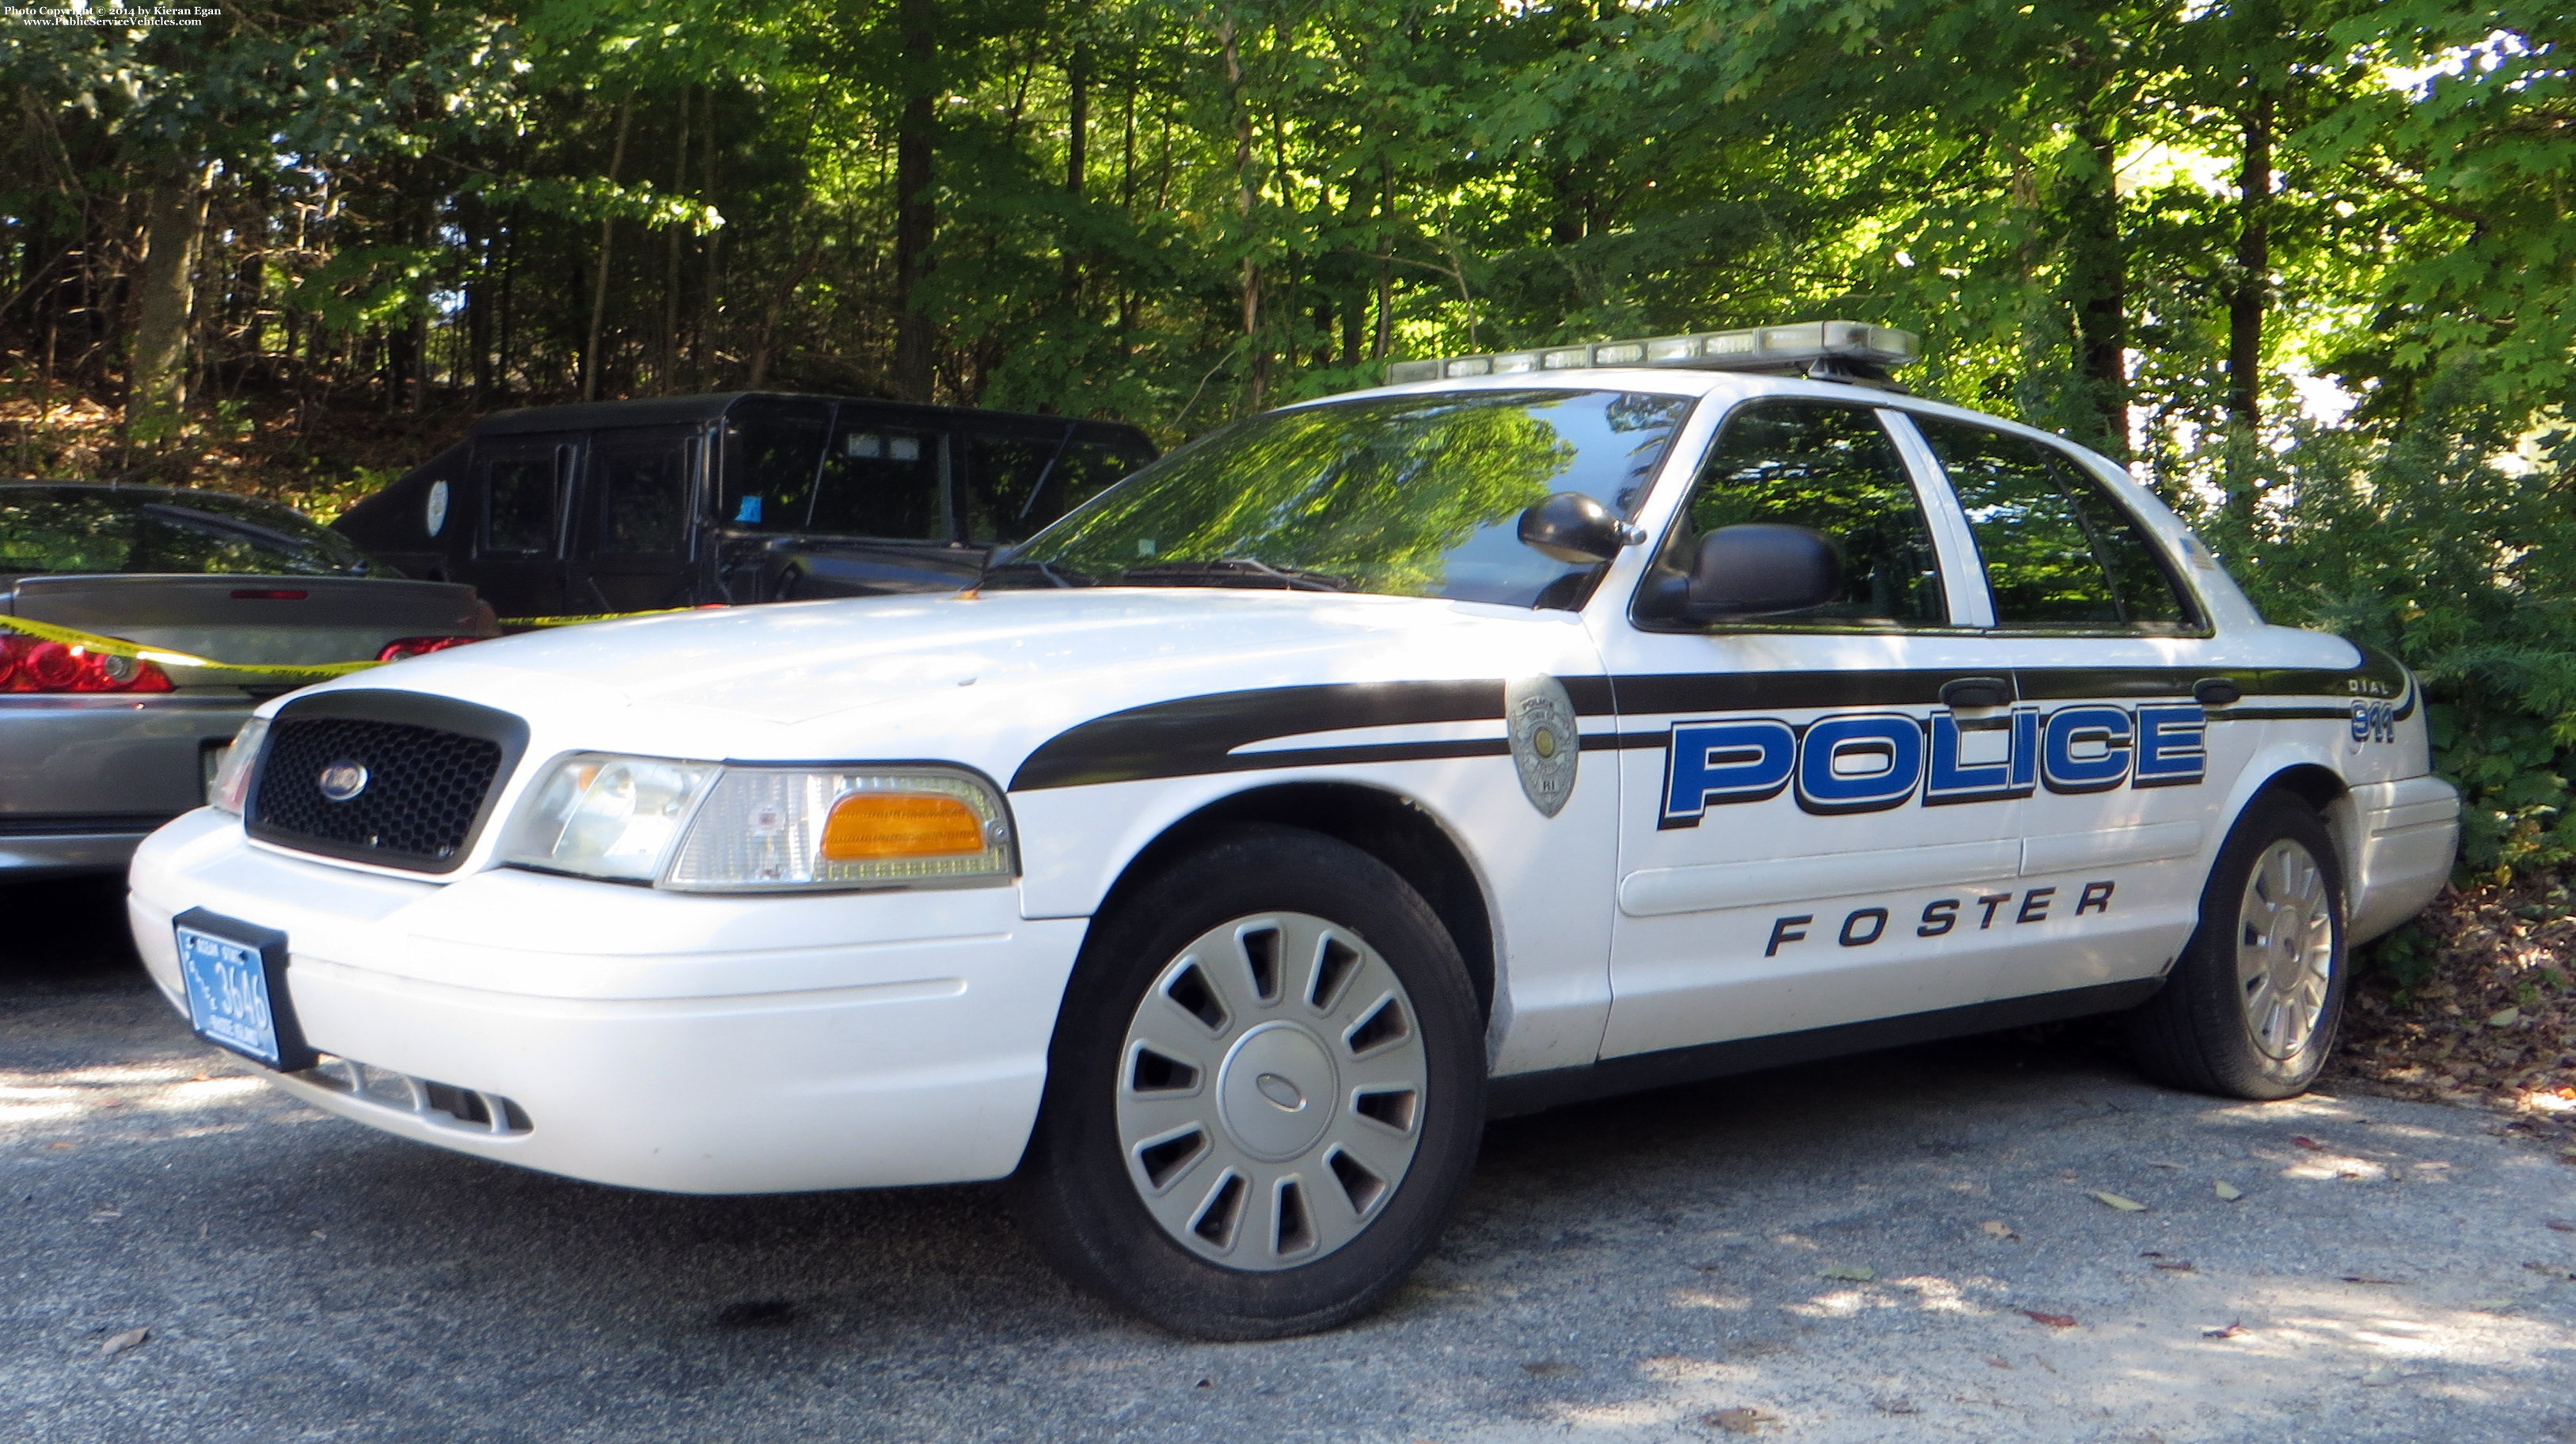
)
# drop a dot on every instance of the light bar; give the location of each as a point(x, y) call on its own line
point(1758, 348)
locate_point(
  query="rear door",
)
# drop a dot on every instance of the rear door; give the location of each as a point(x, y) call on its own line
point(523, 488)
point(2105, 646)
point(637, 505)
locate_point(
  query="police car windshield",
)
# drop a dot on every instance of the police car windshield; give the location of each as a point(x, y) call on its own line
point(1411, 496)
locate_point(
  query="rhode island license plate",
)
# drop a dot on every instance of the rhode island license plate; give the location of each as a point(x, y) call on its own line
point(231, 998)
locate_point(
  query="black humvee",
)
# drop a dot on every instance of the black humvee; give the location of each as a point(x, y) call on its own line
point(623, 506)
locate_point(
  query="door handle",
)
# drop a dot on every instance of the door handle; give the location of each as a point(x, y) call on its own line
point(1966, 692)
point(2215, 692)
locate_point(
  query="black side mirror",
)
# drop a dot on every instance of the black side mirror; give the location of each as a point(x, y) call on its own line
point(1761, 569)
point(1572, 527)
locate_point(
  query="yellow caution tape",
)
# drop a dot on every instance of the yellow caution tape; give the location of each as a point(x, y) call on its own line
point(93, 643)
point(165, 657)
point(591, 617)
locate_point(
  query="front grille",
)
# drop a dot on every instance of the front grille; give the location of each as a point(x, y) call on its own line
point(426, 788)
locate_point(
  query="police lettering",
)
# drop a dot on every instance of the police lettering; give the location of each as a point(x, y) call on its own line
point(1850, 762)
point(1864, 926)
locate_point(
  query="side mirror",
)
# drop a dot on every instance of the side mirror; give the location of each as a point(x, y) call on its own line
point(1761, 569)
point(1572, 527)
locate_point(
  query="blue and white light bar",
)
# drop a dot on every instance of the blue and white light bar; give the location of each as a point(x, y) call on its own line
point(1757, 348)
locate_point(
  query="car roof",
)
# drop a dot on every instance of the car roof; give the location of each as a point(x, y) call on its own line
point(680, 410)
point(116, 488)
point(1726, 386)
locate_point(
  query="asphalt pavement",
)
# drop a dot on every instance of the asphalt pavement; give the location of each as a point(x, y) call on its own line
point(1912, 1245)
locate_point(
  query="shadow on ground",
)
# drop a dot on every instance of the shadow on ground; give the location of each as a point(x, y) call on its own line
point(1879, 1248)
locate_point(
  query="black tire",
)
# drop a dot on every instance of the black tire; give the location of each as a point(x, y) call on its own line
point(1076, 1195)
point(2196, 1033)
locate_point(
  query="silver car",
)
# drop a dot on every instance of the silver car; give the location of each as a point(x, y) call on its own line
point(98, 749)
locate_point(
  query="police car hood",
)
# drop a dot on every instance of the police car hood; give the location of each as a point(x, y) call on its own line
point(929, 677)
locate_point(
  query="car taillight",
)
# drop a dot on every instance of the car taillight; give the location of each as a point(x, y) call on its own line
point(30, 665)
point(403, 647)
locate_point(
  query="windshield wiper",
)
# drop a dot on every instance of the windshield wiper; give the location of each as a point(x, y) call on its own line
point(1054, 577)
point(1233, 571)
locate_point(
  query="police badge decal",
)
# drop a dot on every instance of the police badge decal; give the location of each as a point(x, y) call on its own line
point(1546, 748)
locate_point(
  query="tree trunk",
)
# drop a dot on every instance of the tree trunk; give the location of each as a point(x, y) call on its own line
point(2097, 289)
point(599, 282)
point(157, 372)
point(666, 372)
point(2250, 295)
point(1243, 209)
point(1077, 80)
point(702, 346)
point(916, 222)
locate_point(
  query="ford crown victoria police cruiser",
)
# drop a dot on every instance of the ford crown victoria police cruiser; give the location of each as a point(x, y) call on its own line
point(1549, 725)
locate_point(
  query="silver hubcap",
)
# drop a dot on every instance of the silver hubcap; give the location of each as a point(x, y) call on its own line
point(1270, 1092)
point(2284, 949)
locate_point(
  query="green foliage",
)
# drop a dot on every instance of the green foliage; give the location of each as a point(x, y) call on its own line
point(2451, 542)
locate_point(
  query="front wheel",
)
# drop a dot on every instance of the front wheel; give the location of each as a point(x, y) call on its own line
point(2252, 1006)
point(1265, 1092)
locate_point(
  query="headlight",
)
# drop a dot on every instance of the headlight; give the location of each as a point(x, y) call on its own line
point(607, 817)
point(698, 827)
point(229, 789)
point(763, 829)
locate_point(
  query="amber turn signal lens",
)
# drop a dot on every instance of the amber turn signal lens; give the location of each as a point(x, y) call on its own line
point(873, 826)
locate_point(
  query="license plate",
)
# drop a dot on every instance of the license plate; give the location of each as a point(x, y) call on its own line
point(237, 997)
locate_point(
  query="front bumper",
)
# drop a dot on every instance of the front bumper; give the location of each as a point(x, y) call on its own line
point(687, 1043)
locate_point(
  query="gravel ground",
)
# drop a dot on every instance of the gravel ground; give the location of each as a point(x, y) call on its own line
point(1905, 1246)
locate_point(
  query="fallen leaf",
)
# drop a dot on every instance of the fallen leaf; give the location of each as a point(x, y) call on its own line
point(2231, 1331)
point(2372, 1279)
point(2054, 1321)
point(1550, 1369)
point(2504, 1018)
point(2552, 1270)
point(2160, 1163)
point(130, 1339)
point(2560, 1224)
point(2177, 1265)
point(317, 1233)
point(74, 1145)
point(2491, 1306)
point(1847, 1275)
point(2124, 1205)
point(1998, 1228)
point(2227, 1190)
point(1737, 1421)
point(1895, 1406)
point(1998, 1361)
point(2378, 1376)
point(1205, 1384)
point(2304, 1141)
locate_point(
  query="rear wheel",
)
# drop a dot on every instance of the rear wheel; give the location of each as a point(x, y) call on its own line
point(1265, 1092)
point(2254, 1001)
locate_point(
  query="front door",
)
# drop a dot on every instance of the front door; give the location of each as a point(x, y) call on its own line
point(1810, 834)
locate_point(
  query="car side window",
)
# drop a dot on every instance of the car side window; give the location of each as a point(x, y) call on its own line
point(883, 481)
point(1003, 478)
point(772, 453)
point(2058, 551)
point(1834, 470)
point(643, 498)
point(522, 497)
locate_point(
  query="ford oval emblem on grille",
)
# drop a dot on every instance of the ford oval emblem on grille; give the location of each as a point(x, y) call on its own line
point(343, 780)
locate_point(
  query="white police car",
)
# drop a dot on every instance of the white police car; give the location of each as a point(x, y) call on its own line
point(1558, 724)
